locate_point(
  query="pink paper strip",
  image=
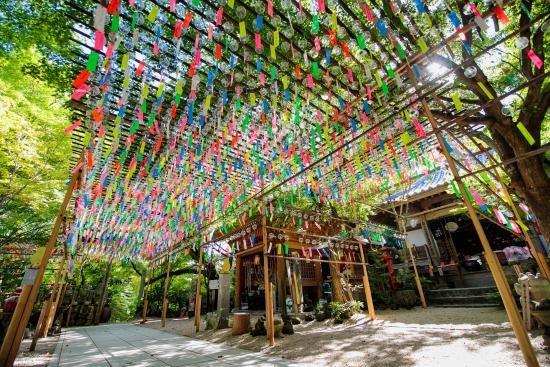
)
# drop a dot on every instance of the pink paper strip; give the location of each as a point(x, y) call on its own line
point(270, 8)
point(99, 40)
point(76, 124)
point(77, 94)
point(535, 59)
point(258, 39)
point(219, 17)
point(77, 167)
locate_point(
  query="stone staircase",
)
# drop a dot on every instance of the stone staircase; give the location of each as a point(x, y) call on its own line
point(461, 297)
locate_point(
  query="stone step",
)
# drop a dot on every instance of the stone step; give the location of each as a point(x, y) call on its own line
point(471, 305)
point(460, 292)
point(461, 300)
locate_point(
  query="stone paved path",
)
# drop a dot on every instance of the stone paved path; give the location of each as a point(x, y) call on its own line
point(130, 345)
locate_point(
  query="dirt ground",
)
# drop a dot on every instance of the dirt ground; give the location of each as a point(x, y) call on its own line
point(41, 355)
point(418, 337)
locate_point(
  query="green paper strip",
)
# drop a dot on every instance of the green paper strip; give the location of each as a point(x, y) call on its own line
point(315, 69)
point(422, 45)
point(315, 24)
point(456, 101)
point(153, 14)
point(485, 90)
point(92, 61)
point(115, 23)
point(361, 42)
point(526, 134)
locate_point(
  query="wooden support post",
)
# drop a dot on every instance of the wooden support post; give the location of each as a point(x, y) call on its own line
point(198, 294)
point(238, 281)
point(498, 274)
point(20, 319)
point(366, 285)
point(53, 311)
point(145, 294)
point(164, 299)
point(267, 285)
point(403, 228)
point(102, 292)
point(41, 325)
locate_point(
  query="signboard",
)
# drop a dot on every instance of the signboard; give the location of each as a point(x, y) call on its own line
point(214, 284)
point(29, 277)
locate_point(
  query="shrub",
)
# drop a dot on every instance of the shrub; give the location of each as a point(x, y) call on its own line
point(343, 311)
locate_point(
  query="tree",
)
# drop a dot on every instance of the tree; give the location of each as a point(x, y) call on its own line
point(506, 67)
point(34, 152)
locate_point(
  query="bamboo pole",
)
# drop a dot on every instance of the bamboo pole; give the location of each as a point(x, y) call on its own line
point(14, 334)
point(366, 285)
point(164, 299)
point(403, 229)
point(198, 293)
point(267, 283)
point(492, 262)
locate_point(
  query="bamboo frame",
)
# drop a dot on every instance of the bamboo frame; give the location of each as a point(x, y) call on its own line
point(498, 274)
point(22, 313)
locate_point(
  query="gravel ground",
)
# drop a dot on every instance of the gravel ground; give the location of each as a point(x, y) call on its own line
point(418, 337)
point(41, 355)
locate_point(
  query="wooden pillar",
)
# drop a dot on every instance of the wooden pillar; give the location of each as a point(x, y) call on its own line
point(238, 280)
point(281, 286)
point(267, 284)
point(366, 285)
point(498, 274)
point(41, 325)
point(337, 292)
point(403, 229)
point(23, 311)
point(198, 294)
point(53, 312)
point(164, 299)
point(145, 294)
point(102, 292)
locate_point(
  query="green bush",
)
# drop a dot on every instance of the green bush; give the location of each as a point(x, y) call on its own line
point(344, 311)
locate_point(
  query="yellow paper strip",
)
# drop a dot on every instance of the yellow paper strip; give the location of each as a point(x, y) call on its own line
point(526, 134)
point(485, 90)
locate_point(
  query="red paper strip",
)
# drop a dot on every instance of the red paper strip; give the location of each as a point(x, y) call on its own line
point(81, 79)
point(113, 6)
point(140, 68)
point(187, 20)
point(501, 15)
